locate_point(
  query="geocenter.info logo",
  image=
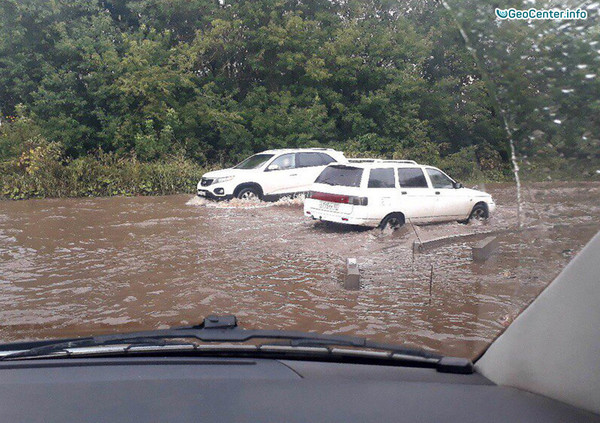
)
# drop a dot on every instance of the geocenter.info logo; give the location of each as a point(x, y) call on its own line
point(533, 13)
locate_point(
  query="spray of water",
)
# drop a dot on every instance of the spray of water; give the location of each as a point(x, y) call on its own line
point(237, 203)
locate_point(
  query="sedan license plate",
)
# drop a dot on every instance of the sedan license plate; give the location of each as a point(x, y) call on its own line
point(202, 193)
point(326, 205)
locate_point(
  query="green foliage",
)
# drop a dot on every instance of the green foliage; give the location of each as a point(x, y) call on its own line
point(147, 80)
point(43, 171)
point(546, 76)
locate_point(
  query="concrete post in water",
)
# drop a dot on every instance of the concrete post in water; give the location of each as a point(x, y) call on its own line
point(484, 248)
point(352, 276)
point(417, 246)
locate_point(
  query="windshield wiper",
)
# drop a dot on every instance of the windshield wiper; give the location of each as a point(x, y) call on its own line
point(224, 329)
point(48, 349)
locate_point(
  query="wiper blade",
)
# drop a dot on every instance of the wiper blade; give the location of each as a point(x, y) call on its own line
point(54, 348)
point(224, 329)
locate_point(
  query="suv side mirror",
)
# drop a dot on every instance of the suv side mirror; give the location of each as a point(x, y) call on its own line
point(457, 185)
point(273, 167)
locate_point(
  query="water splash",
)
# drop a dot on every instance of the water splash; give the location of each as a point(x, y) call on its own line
point(237, 203)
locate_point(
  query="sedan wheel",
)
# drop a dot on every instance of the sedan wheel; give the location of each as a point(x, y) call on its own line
point(479, 212)
point(392, 222)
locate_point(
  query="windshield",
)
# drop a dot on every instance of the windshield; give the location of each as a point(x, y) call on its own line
point(111, 112)
point(254, 162)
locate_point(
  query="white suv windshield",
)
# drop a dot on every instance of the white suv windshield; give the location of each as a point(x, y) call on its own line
point(254, 162)
point(341, 175)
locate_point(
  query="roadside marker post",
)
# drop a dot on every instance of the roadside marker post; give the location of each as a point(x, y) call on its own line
point(352, 277)
point(485, 248)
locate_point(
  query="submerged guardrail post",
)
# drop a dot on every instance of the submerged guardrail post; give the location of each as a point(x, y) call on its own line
point(352, 276)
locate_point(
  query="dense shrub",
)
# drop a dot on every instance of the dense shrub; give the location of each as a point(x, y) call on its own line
point(43, 171)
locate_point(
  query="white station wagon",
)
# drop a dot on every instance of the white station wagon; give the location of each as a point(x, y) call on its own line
point(388, 193)
point(269, 175)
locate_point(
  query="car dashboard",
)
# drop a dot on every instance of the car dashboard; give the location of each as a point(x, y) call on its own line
point(205, 389)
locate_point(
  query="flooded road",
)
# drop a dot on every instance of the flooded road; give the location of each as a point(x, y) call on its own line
point(74, 267)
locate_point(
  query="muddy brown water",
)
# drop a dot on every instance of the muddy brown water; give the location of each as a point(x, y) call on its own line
point(74, 267)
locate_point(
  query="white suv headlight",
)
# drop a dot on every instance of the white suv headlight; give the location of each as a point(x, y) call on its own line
point(222, 179)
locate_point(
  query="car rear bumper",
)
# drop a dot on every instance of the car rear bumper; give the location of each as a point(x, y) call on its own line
point(356, 216)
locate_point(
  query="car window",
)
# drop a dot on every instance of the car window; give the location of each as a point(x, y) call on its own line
point(254, 162)
point(412, 177)
point(286, 161)
point(347, 176)
point(309, 160)
point(326, 158)
point(439, 180)
point(382, 178)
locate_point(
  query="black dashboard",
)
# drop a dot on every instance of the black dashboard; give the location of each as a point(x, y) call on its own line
point(202, 389)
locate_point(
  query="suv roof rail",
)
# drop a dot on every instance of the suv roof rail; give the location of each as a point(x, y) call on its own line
point(360, 160)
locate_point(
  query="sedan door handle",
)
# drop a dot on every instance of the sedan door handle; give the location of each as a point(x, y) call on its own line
point(403, 193)
point(294, 174)
point(437, 193)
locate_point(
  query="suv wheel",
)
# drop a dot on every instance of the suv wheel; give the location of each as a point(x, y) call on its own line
point(249, 193)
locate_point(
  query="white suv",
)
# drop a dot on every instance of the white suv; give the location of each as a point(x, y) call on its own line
point(391, 192)
point(269, 175)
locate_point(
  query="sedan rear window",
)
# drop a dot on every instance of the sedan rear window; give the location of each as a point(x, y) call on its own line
point(412, 177)
point(346, 176)
point(254, 162)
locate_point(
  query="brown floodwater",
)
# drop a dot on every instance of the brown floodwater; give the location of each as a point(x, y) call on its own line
point(74, 267)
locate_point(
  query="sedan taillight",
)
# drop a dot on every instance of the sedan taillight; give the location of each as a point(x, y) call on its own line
point(358, 201)
point(339, 198)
